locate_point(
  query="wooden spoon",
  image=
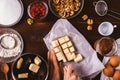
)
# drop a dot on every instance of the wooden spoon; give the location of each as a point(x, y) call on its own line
point(5, 69)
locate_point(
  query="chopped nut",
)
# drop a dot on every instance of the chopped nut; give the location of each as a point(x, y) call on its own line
point(85, 17)
point(30, 21)
point(89, 28)
point(90, 21)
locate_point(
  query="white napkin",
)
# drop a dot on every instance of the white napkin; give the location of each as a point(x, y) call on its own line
point(90, 64)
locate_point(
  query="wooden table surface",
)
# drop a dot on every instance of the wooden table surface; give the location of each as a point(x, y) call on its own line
point(33, 35)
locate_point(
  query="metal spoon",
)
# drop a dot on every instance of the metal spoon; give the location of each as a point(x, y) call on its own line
point(5, 69)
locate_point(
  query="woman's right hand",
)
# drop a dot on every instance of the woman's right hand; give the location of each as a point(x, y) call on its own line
point(69, 74)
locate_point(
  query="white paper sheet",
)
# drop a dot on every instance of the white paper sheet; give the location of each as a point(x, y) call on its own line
point(90, 64)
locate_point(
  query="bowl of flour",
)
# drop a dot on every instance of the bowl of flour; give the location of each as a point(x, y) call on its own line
point(11, 11)
point(11, 45)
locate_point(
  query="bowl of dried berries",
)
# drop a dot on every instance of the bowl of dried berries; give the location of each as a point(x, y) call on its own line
point(37, 10)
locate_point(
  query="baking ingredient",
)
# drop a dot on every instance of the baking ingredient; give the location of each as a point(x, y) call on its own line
point(65, 50)
point(85, 17)
point(90, 21)
point(116, 75)
point(37, 60)
point(30, 21)
point(12, 44)
point(108, 70)
point(38, 10)
point(115, 61)
point(66, 8)
point(8, 42)
point(5, 69)
point(19, 63)
point(89, 27)
point(23, 75)
point(10, 11)
point(34, 68)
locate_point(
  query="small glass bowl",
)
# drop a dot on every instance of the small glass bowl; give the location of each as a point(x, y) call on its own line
point(9, 52)
point(28, 58)
point(106, 46)
point(56, 13)
point(37, 10)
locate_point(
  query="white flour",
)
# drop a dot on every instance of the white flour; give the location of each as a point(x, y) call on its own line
point(10, 11)
point(13, 45)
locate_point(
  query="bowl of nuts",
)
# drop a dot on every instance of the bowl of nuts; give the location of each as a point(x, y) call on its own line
point(66, 8)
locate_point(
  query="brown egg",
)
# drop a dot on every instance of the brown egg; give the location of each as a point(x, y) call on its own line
point(116, 75)
point(115, 61)
point(108, 70)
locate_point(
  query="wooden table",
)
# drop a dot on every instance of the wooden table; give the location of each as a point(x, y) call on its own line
point(33, 35)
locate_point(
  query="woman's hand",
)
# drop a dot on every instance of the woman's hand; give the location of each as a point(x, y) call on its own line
point(69, 74)
point(54, 67)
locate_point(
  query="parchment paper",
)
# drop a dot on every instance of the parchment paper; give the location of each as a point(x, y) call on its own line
point(105, 60)
point(91, 65)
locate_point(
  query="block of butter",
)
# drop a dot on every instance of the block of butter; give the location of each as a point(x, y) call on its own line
point(34, 68)
point(23, 75)
point(37, 60)
point(64, 49)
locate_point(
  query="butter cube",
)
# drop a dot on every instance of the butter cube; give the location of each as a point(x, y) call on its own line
point(37, 60)
point(55, 43)
point(66, 38)
point(72, 49)
point(57, 49)
point(23, 75)
point(34, 68)
point(60, 57)
point(70, 56)
point(19, 63)
point(64, 46)
point(66, 51)
point(69, 44)
point(61, 40)
point(78, 58)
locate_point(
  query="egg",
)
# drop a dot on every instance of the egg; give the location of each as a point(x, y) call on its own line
point(108, 70)
point(115, 61)
point(116, 75)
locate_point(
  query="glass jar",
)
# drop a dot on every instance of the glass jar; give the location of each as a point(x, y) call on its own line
point(106, 46)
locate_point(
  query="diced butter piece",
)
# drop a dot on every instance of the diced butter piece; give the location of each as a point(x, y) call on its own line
point(57, 49)
point(66, 51)
point(64, 46)
point(19, 63)
point(61, 40)
point(72, 49)
point(55, 43)
point(69, 44)
point(61, 57)
point(37, 60)
point(78, 58)
point(66, 38)
point(34, 68)
point(23, 75)
point(70, 56)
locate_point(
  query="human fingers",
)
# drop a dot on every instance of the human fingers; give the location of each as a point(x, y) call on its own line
point(54, 59)
point(69, 69)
